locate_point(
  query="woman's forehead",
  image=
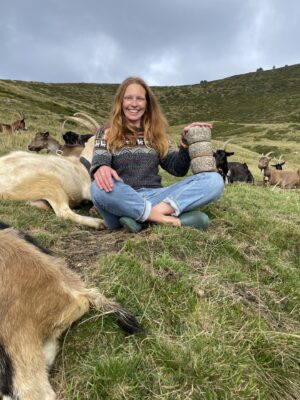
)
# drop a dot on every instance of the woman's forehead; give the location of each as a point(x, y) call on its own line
point(135, 88)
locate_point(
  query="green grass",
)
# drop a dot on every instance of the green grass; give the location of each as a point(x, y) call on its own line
point(221, 309)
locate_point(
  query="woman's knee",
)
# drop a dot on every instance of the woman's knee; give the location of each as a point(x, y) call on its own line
point(95, 190)
point(99, 196)
point(216, 184)
point(211, 183)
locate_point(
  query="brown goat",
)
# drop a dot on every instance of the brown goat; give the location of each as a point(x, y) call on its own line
point(43, 140)
point(285, 179)
point(40, 298)
point(18, 125)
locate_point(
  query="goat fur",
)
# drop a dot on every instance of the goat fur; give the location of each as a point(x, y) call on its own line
point(40, 298)
point(64, 182)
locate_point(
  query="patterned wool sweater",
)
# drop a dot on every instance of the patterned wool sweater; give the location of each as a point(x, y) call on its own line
point(138, 164)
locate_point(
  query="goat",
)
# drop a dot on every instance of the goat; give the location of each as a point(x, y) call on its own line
point(278, 163)
point(72, 138)
point(43, 140)
point(63, 182)
point(231, 171)
point(285, 179)
point(86, 120)
point(40, 298)
point(17, 125)
point(239, 172)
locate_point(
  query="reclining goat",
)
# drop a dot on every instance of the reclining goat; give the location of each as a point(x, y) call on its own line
point(40, 297)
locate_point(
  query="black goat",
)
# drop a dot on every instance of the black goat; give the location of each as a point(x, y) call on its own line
point(278, 163)
point(232, 171)
point(71, 138)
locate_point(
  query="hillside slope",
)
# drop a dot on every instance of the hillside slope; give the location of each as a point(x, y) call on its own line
point(262, 96)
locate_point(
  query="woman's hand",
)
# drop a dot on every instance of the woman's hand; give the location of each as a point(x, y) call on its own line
point(188, 127)
point(104, 177)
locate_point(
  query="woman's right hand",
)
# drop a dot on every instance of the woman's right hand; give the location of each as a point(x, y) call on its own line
point(104, 177)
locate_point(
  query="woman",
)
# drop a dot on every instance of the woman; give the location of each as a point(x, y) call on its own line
point(126, 187)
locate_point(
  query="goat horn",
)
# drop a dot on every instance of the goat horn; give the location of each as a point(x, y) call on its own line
point(226, 143)
point(20, 115)
point(280, 159)
point(63, 126)
point(83, 122)
point(89, 118)
point(270, 152)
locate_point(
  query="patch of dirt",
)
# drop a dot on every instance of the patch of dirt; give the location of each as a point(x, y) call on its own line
point(82, 248)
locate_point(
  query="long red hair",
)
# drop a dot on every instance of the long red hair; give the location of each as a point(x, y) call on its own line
point(153, 121)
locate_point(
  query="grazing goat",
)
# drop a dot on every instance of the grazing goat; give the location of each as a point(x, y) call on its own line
point(18, 125)
point(285, 179)
point(40, 298)
point(43, 140)
point(63, 182)
point(232, 171)
point(72, 138)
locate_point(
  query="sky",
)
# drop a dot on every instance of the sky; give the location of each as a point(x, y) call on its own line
point(165, 42)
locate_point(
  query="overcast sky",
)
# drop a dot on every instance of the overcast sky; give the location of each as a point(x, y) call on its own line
point(166, 42)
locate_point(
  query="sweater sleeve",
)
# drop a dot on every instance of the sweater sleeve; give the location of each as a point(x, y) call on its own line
point(176, 162)
point(101, 155)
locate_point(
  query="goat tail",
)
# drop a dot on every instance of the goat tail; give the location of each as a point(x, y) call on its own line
point(6, 374)
point(126, 320)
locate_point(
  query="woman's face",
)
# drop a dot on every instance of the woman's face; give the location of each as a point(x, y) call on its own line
point(134, 103)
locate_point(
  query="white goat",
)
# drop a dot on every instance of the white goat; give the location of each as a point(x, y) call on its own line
point(64, 182)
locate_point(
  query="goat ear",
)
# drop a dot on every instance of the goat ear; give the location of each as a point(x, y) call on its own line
point(229, 153)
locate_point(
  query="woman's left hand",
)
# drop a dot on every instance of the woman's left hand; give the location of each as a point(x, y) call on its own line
point(188, 127)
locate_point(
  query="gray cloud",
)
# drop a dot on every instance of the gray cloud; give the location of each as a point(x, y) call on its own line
point(167, 42)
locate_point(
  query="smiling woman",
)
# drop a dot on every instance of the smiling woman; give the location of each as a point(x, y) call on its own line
point(128, 153)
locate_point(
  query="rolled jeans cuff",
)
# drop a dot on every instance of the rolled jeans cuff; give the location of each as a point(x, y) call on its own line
point(173, 204)
point(146, 213)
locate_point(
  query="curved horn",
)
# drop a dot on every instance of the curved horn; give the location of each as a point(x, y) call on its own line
point(270, 152)
point(91, 127)
point(20, 115)
point(89, 118)
point(280, 159)
point(62, 127)
point(226, 143)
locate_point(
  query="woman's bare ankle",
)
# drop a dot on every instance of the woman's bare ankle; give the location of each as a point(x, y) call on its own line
point(159, 218)
point(163, 208)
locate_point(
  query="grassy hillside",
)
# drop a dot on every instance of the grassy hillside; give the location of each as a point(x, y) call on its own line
point(263, 96)
point(221, 309)
point(259, 111)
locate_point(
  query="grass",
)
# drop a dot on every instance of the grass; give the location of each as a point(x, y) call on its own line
point(220, 308)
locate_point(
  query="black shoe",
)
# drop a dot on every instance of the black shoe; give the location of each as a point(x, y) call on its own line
point(130, 224)
point(195, 219)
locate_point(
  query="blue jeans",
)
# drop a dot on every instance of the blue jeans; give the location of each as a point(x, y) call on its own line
point(186, 195)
